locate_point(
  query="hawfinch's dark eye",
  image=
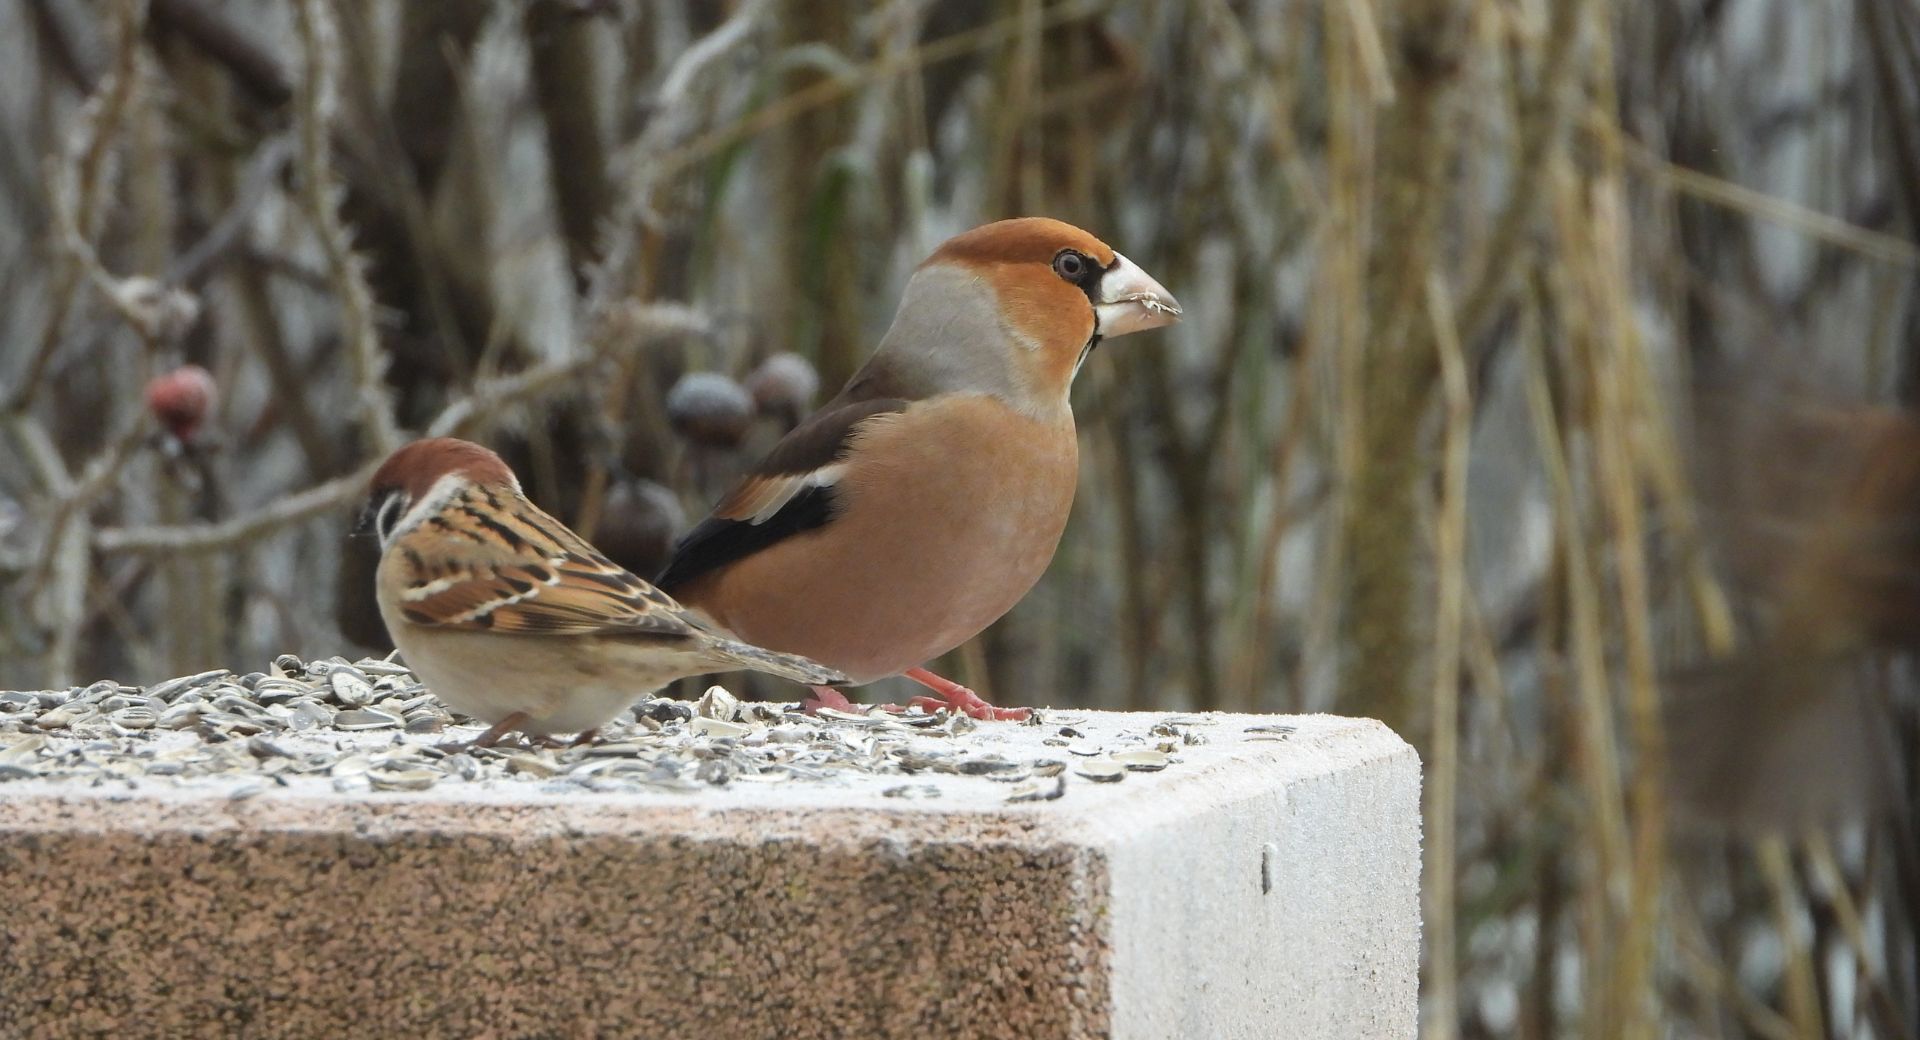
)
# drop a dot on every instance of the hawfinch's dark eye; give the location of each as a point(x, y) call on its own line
point(1070, 265)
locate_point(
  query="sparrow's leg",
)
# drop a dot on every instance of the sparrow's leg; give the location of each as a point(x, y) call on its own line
point(828, 697)
point(490, 737)
point(956, 697)
point(586, 736)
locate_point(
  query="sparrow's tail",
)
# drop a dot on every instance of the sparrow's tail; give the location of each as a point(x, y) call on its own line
point(805, 671)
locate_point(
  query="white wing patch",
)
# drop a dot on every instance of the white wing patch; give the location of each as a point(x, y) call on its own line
point(825, 476)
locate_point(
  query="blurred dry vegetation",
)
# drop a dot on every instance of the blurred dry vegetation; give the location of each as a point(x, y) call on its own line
point(1544, 388)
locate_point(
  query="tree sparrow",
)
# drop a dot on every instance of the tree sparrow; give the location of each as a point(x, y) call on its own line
point(510, 617)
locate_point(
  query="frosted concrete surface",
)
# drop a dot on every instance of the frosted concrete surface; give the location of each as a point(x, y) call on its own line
point(1264, 884)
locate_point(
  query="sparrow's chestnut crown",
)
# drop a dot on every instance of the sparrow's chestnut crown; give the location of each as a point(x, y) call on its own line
point(411, 472)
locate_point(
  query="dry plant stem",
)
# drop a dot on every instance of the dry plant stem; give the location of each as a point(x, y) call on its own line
point(1621, 491)
point(253, 66)
point(1870, 969)
point(826, 92)
point(566, 84)
point(1613, 363)
point(1880, 24)
point(1442, 977)
point(1143, 619)
point(397, 163)
point(239, 530)
point(1140, 618)
point(60, 578)
point(59, 38)
point(63, 569)
point(1247, 674)
point(1340, 322)
point(817, 304)
point(1812, 223)
point(483, 406)
point(197, 262)
point(1598, 757)
point(1706, 972)
point(315, 103)
point(1542, 129)
point(1411, 192)
point(1802, 994)
point(77, 183)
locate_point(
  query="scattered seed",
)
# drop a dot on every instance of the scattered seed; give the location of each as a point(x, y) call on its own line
point(1142, 760)
point(705, 726)
point(1040, 791)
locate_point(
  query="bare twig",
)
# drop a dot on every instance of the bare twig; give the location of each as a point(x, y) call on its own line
point(1812, 223)
point(221, 39)
point(203, 538)
point(653, 168)
point(59, 579)
point(314, 105)
point(1450, 537)
point(479, 409)
point(77, 184)
point(197, 262)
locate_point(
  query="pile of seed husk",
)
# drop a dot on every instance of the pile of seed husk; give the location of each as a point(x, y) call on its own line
point(370, 725)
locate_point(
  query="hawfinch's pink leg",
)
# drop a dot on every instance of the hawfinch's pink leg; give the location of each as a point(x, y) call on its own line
point(955, 697)
point(828, 697)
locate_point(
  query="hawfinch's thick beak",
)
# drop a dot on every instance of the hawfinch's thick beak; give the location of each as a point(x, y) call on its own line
point(1131, 301)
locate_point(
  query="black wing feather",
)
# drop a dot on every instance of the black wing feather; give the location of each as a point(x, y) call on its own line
point(718, 542)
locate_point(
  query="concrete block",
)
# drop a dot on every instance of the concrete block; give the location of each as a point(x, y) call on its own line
point(1264, 885)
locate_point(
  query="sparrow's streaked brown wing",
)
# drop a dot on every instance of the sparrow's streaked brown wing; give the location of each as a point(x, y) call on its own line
point(494, 562)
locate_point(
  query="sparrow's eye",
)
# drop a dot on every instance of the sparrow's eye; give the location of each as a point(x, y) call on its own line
point(1070, 265)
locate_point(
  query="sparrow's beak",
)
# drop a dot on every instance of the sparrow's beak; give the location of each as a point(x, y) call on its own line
point(1131, 301)
point(363, 522)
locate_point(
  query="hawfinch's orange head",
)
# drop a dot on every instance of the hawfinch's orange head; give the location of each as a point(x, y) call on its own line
point(1015, 306)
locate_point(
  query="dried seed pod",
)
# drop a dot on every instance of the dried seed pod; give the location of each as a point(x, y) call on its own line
point(783, 387)
point(710, 409)
point(638, 524)
point(181, 400)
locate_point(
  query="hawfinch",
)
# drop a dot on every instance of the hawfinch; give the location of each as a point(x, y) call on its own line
point(510, 617)
point(918, 506)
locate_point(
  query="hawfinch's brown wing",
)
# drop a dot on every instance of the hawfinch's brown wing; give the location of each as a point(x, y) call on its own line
point(790, 492)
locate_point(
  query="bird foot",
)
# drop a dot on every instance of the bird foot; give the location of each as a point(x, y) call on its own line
point(489, 738)
point(512, 724)
point(828, 697)
point(968, 704)
point(952, 697)
point(960, 700)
